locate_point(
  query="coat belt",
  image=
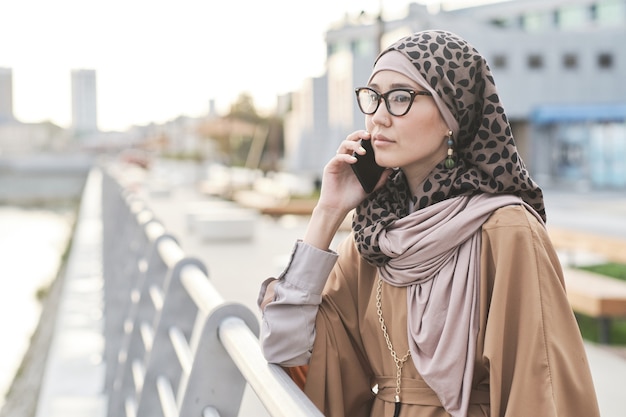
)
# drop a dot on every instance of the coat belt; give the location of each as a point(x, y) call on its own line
point(417, 392)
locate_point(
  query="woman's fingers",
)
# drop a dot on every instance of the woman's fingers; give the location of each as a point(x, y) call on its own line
point(351, 143)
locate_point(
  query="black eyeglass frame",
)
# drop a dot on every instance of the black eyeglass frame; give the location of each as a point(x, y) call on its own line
point(384, 96)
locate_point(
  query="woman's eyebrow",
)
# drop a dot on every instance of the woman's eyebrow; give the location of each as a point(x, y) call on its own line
point(402, 85)
point(396, 85)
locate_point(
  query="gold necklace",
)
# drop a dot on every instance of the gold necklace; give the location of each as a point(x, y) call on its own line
point(397, 360)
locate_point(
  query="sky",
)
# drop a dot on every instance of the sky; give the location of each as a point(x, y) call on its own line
point(158, 59)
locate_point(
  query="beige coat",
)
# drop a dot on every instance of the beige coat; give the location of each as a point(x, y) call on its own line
point(530, 360)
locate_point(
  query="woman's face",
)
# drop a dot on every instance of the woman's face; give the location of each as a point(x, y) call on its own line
point(415, 142)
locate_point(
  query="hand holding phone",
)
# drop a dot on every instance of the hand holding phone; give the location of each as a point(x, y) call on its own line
point(366, 169)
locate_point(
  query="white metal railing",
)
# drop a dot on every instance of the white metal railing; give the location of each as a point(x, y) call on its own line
point(179, 348)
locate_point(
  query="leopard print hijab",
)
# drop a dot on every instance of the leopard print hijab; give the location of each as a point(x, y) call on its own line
point(487, 159)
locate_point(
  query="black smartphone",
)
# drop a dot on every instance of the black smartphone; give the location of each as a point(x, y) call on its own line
point(366, 169)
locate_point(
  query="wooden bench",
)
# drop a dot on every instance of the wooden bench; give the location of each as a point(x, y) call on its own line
point(592, 294)
point(598, 296)
point(610, 248)
point(295, 207)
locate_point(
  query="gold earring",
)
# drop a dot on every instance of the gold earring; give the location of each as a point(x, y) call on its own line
point(450, 162)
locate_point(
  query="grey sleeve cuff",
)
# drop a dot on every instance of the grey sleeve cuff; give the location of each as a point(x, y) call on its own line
point(309, 268)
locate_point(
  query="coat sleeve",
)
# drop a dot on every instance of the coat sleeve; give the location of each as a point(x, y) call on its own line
point(532, 344)
point(290, 303)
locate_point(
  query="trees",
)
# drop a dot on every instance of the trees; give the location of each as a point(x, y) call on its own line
point(245, 138)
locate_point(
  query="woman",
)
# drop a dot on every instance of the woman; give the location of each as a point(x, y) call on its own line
point(448, 300)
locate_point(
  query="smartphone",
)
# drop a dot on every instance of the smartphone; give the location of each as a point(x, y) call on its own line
point(366, 169)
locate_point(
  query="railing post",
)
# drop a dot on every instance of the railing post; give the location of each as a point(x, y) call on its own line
point(152, 271)
point(178, 311)
point(215, 380)
point(124, 246)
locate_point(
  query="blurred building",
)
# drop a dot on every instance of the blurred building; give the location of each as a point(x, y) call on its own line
point(306, 127)
point(84, 102)
point(559, 67)
point(6, 94)
point(17, 138)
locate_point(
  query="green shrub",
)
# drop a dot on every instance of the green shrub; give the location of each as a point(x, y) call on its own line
point(609, 269)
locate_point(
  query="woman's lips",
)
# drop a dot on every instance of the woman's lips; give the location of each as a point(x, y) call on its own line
point(380, 140)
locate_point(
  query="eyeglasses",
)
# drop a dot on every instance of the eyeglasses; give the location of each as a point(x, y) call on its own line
point(398, 101)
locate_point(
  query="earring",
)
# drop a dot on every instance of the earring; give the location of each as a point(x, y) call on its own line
point(450, 162)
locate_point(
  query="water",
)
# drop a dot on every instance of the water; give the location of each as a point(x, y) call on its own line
point(32, 242)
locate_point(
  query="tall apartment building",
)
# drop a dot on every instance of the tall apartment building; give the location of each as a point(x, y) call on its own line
point(6, 94)
point(84, 108)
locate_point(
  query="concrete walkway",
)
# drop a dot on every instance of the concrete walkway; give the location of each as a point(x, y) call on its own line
point(609, 376)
